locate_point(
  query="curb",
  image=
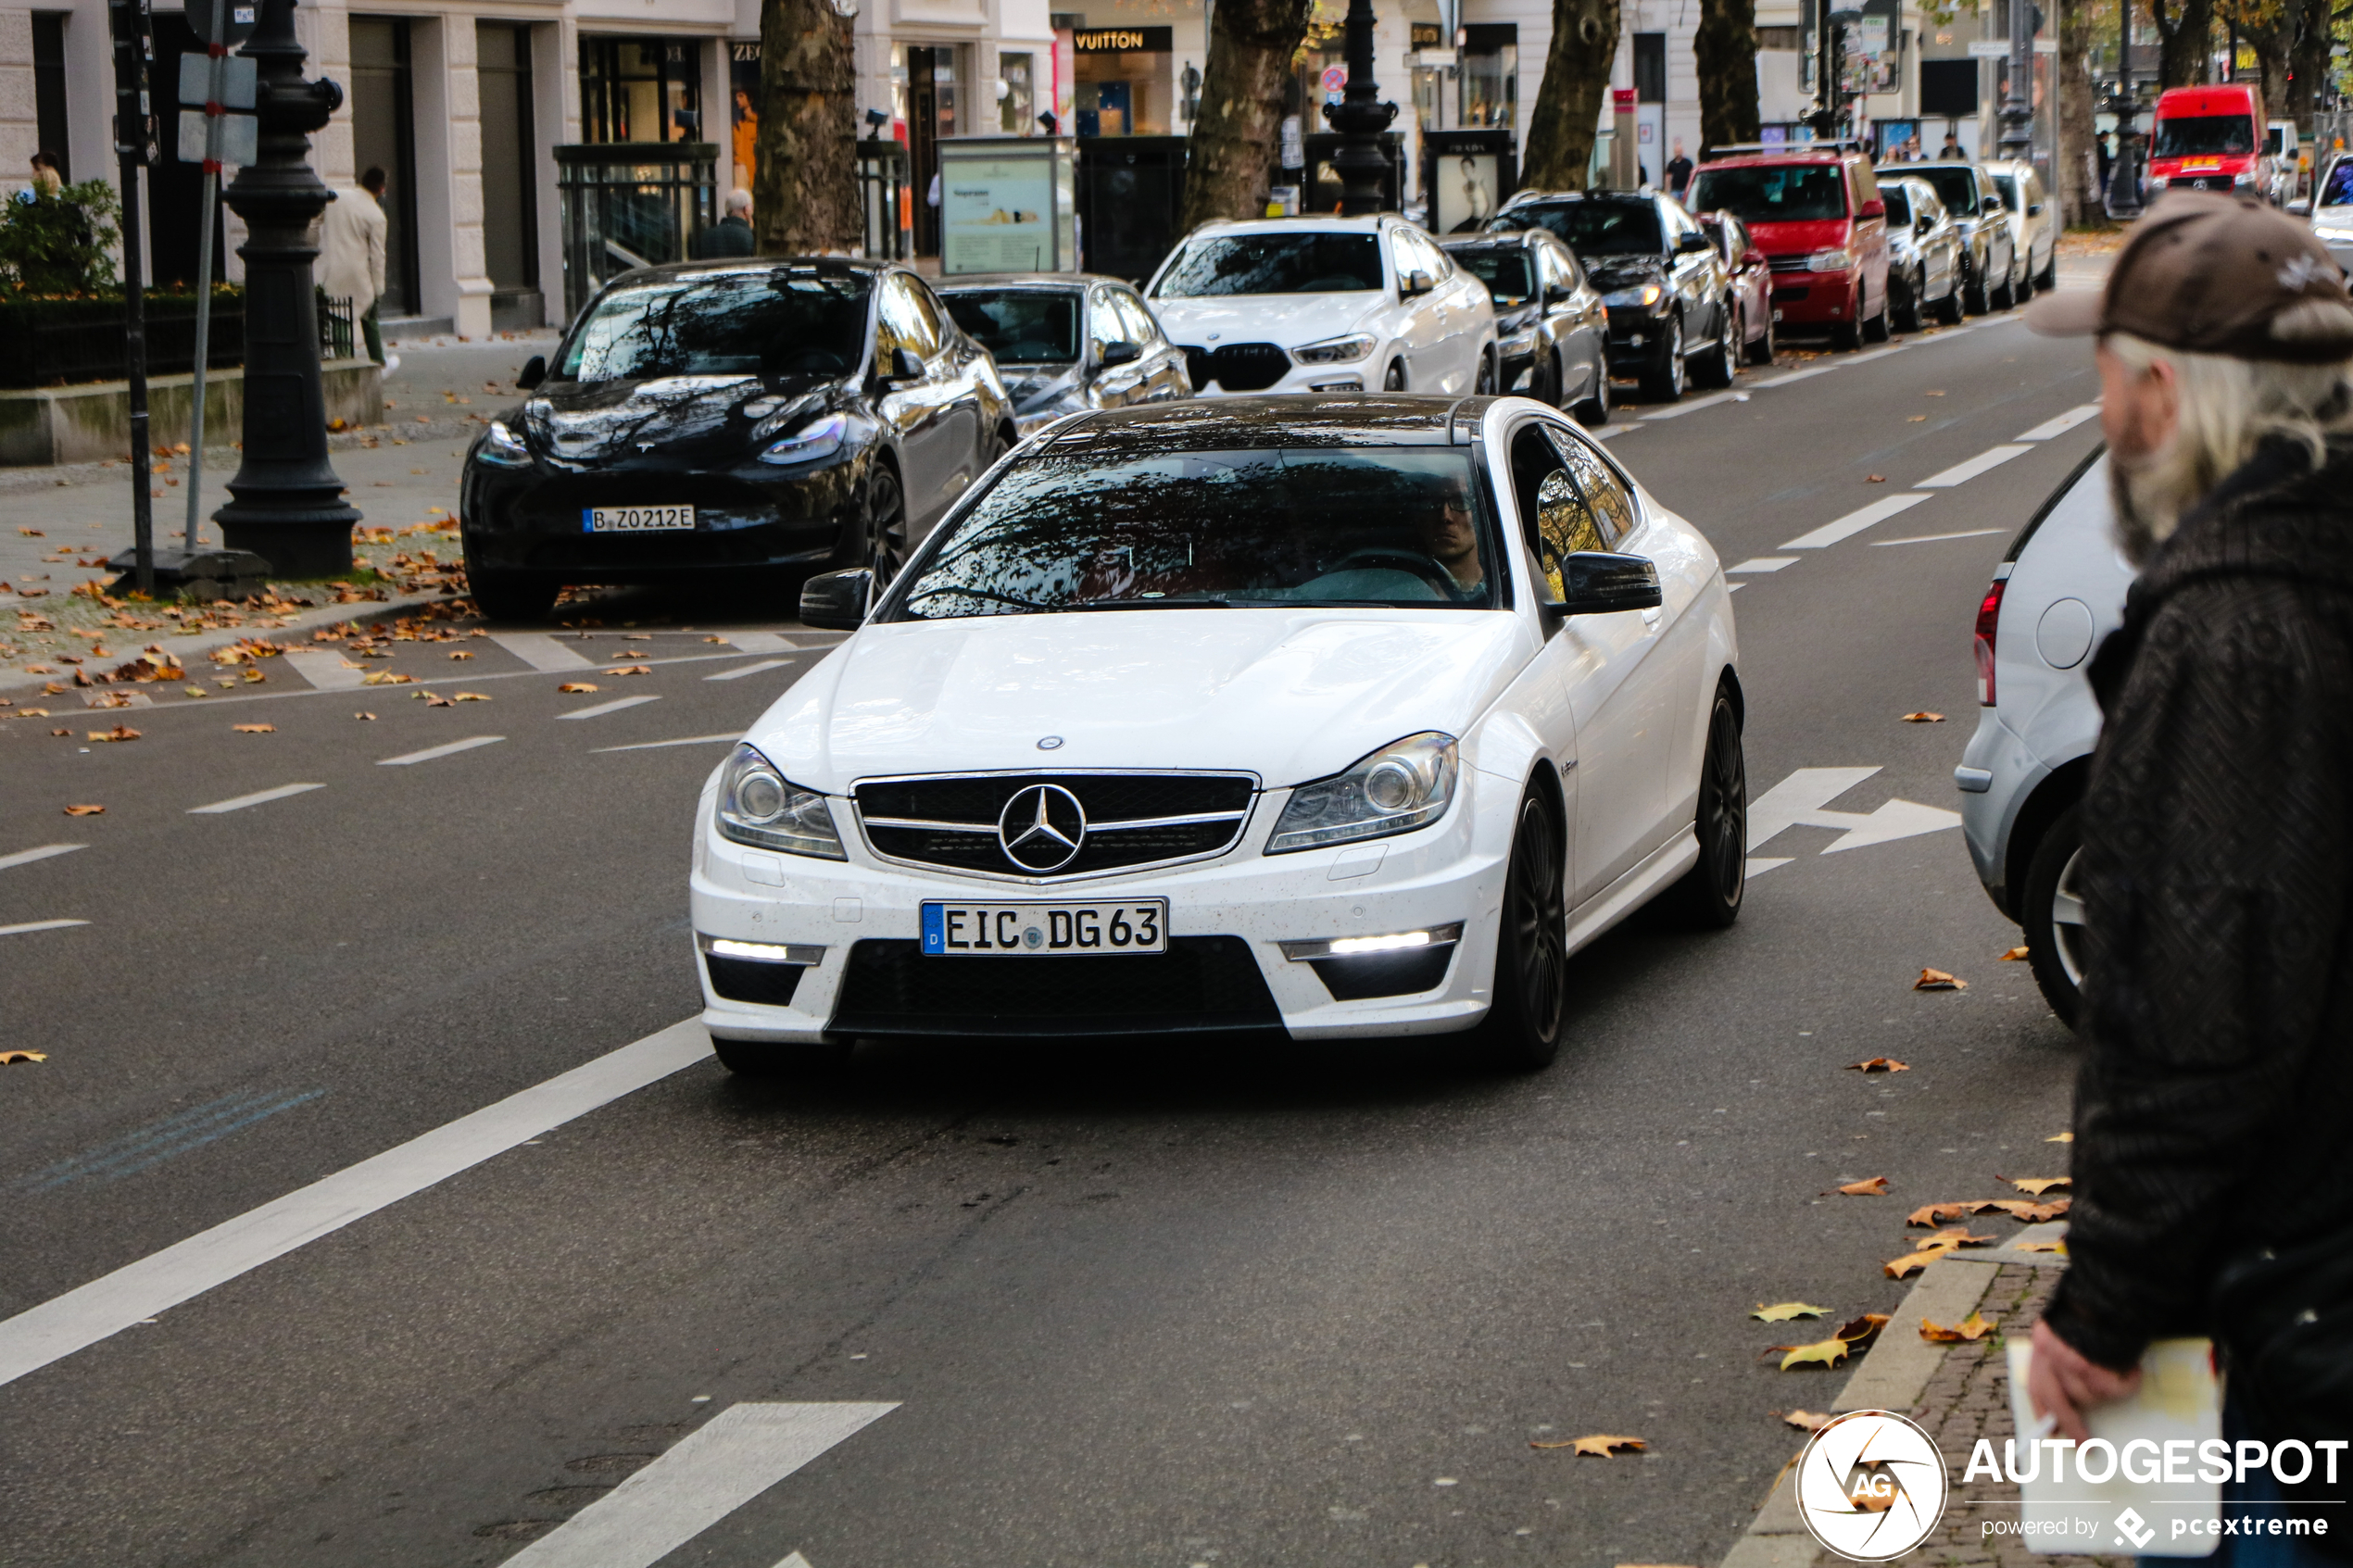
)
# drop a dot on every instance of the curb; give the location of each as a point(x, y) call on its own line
point(304, 624)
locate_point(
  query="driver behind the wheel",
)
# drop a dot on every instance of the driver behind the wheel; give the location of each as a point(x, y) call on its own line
point(1452, 541)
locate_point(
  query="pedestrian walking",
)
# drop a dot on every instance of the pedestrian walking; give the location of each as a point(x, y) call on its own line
point(1679, 170)
point(730, 235)
point(2213, 1186)
point(2105, 145)
point(351, 257)
point(1950, 150)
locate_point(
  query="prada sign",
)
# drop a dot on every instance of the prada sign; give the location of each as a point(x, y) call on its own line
point(1121, 40)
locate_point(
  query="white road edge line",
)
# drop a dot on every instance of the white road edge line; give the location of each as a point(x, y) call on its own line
point(1854, 523)
point(25, 856)
point(707, 1475)
point(1694, 405)
point(615, 706)
point(259, 797)
point(740, 672)
point(37, 925)
point(434, 752)
point(58, 1327)
point(1961, 473)
point(657, 744)
point(2062, 424)
point(1934, 538)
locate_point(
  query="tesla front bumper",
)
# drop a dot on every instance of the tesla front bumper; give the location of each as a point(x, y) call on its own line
point(534, 521)
point(837, 941)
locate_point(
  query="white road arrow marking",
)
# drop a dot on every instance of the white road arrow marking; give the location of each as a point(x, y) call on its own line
point(794, 1560)
point(707, 1475)
point(1804, 797)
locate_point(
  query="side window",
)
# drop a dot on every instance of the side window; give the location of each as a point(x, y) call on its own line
point(1104, 325)
point(1551, 510)
point(1612, 504)
point(1141, 330)
point(1564, 265)
point(1415, 255)
point(927, 319)
point(902, 321)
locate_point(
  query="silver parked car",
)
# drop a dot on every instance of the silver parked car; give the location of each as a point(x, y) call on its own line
point(1989, 252)
point(2332, 209)
point(1067, 342)
point(1923, 256)
point(2035, 223)
point(2058, 591)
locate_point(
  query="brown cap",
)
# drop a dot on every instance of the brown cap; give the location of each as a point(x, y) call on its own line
point(2207, 273)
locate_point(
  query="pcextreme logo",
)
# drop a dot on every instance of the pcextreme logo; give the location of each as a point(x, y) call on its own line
point(1870, 1486)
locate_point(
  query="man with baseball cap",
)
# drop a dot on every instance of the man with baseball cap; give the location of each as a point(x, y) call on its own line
point(2213, 1155)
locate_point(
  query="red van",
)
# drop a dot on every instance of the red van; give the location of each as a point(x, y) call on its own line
point(2210, 139)
point(1818, 219)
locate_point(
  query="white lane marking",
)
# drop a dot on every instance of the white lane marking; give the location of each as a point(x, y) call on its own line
point(25, 856)
point(1853, 523)
point(1693, 405)
point(1961, 473)
point(740, 670)
point(1759, 864)
point(1877, 354)
point(540, 651)
point(38, 925)
point(259, 797)
point(1611, 432)
point(685, 740)
point(1934, 538)
point(111, 1303)
point(760, 642)
point(1804, 799)
point(322, 668)
point(434, 752)
point(1806, 790)
point(615, 706)
point(2062, 424)
point(1734, 588)
point(707, 1475)
point(1805, 374)
point(1764, 563)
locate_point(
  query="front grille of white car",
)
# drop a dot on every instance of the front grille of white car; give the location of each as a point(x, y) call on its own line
point(1238, 367)
point(951, 821)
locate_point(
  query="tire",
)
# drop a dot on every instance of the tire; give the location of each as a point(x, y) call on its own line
point(511, 596)
point(1875, 329)
point(1594, 412)
point(1948, 310)
point(747, 1058)
point(1395, 380)
point(1522, 1030)
point(2023, 290)
point(2048, 278)
point(1546, 383)
point(1720, 363)
point(1709, 894)
point(2054, 914)
point(2007, 295)
point(1663, 377)
point(1974, 299)
point(1908, 318)
point(883, 539)
point(1761, 352)
point(1483, 382)
point(1847, 337)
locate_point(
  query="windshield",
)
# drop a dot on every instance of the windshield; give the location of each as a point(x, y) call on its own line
point(1273, 264)
point(2338, 190)
point(1899, 206)
point(779, 323)
point(1787, 192)
point(2205, 136)
point(1398, 526)
point(1592, 228)
point(1956, 188)
point(1505, 273)
point(1019, 326)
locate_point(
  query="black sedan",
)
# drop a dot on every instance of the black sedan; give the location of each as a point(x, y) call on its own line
point(1066, 342)
point(1552, 330)
point(705, 420)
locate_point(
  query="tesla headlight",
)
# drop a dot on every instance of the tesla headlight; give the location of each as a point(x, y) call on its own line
point(1336, 350)
point(1404, 785)
point(822, 439)
point(758, 805)
point(1830, 261)
point(501, 447)
point(1636, 299)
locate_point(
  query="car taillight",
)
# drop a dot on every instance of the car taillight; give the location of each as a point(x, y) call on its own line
point(1989, 624)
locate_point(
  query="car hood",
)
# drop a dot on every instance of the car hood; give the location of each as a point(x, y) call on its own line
point(1284, 320)
point(1793, 239)
point(681, 417)
point(1290, 695)
point(1611, 272)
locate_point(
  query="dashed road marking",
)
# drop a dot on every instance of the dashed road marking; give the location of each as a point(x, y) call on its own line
point(1936, 538)
point(1961, 473)
point(615, 706)
point(740, 670)
point(433, 753)
point(540, 651)
point(323, 670)
point(1854, 523)
point(2062, 424)
point(682, 740)
point(1764, 563)
point(30, 927)
point(259, 797)
point(1694, 405)
point(760, 642)
point(25, 856)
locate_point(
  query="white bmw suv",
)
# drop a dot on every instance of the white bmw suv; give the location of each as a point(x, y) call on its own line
point(1324, 304)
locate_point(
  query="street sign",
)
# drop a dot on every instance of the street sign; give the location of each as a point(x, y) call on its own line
point(226, 22)
point(240, 142)
point(1988, 48)
point(237, 81)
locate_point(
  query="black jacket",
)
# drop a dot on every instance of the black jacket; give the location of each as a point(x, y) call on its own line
point(2214, 1112)
point(730, 236)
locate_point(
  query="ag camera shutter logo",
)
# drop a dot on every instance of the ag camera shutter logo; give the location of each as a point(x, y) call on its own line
point(1870, 1486)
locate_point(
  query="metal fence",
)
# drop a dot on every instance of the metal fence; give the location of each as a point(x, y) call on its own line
point(61, 343)
point(630, 204)
point(337, 336)
point(886, 198)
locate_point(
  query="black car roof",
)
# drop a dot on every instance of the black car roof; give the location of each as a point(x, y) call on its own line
point(1390, 419)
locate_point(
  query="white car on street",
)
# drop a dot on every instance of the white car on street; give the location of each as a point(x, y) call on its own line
point(1347, 717)
point(2034, 223)
point(1324, 304)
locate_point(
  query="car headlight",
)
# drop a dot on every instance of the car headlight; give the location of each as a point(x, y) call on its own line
point(1830, 261)
point(501, 447)
point(1638, 299)
point(1404, 785)
point(2245, 177)
point(758, 805)
point(819, 440)
point(1336, 350)
point(1518, 343)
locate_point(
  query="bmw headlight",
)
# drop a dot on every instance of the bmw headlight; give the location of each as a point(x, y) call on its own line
point(1636, 299)
point(759, 806)
point(1404, 785)
point(1336, 350)
point(501, 447)
point(1830, 261)
point(822, 439)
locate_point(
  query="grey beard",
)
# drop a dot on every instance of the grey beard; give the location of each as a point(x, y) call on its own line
point(2143, 509)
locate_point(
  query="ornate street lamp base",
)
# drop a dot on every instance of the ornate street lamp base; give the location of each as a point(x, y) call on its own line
point(315, 542)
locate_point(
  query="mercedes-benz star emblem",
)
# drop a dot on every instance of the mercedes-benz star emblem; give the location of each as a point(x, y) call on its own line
point(1042, 828)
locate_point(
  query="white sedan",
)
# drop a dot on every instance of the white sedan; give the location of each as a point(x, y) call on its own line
point(1324, 304)
point(1346, 717)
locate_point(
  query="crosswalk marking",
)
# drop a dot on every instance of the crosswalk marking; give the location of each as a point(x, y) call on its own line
point(540, 651)
point(434, 752)
point(760, 642)
point(323, 670)
point(1936, 538)
point(1764, 563)
point(259, 798)
point(25, 856)
point(615, 706)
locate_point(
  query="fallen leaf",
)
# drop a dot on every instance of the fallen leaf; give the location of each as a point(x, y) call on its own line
point(255, 728)
point(1917, 419)
point(32, 533)
point(2016, 955)
point(1913, 1262)
point(1880, 1064)
point(1875, 1188)
point(1972, 1327)
point(1931, 394)
point(461, 654)
point(1601, 1444)
point(1923, 717)
point(2063, 1138)
point(714, 639)
point(1875, 479)
point(9, 1058)
point(469, 697)
point(1952, 1236)
point(1937, 980)
point(2058, 1246)
point(2035, 1185)
point(1782, 1312)
point(85, 810)
point(577, 686)
point(1860, 1332)
point(2032, 1213)
point(1805, 1420)
point(631, 669)
point(363, 716)
point(1825, 1352)
point(195, 690)
point(1937, 1213)
point(121, 732)
point(254, 677)
point(388, 678)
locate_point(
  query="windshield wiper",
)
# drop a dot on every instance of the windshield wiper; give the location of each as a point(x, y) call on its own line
point(1187, 602)
point(984, 593)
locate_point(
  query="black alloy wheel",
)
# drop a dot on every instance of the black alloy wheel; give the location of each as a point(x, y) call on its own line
point(1522, 1030)
point(1546, 383)
point(1908, 315)
point(1948, 310)
point(1709, 894)
point(1483, 383)
point(2051, 910)
point(512, 595)
point(1395, 380)
point(1719, 364)
point(1594, 412)
point(1663, 377)
point(1761, 352)
point(749, 1058)
point(885, 530)
point(1974, 299)
point(2007, 295)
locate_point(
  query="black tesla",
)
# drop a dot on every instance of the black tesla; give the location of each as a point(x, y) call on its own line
point(704, 419)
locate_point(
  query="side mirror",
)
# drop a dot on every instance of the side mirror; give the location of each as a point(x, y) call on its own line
point(1872, 208)
point(1694, 242)
point(906, 365)
point(1601, 582)
point(2033, 209)
point(1414, 285)
point(1922, 224)
point(836, 601)
point(1992, 208)
point(534, 371)
point(1120, 353)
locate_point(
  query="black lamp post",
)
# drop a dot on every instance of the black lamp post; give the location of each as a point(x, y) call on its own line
point(1360, 120)
point(288, 506)
point(2017, 113)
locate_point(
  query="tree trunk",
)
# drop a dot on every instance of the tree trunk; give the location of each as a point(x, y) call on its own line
point(2077, 170)
point(2272, 40)
point(805, 198)
point(2310, 62)
point(2185, 42)
point(1724, 49)
point(1569, 106)
point(1236, 132)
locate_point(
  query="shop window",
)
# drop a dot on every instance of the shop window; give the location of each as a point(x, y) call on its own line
point(1017, 97)
point(1489, 77)
point(1124, 86)
point(49, 89)
point(641, 89)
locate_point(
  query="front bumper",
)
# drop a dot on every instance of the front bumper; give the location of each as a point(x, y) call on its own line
point(1813, 299)
point(1364, 375)
point(751, 516)
point(1232, 914)
point(1633, 337)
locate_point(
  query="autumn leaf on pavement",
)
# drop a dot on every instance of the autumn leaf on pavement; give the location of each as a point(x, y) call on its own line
point(1937, 1213)
point(255, 728)
point(85, 810)
point(388, 678)
point(2016, 955)
point(630, 669)
point(1912, 1263)
point(577, 686)
point(1937, 980)
point(1783, 1310)
point(1859, 1333)
point(363, 716)
point(2063, 1138)
point(1953, 1235)
point(9, 1058)
point(1824, 1352)
point(121, 732)
point(1874, 1187)
point(1880, 1064)
point(2058, 1246)
point(1923, 717)
point(2035, 1186)
point(1805, 1420)
point(462, 653)
point(2032, 1213)
point(434, 699)
point(1972, 1327)
point(469, 697)
point(1601, 1444)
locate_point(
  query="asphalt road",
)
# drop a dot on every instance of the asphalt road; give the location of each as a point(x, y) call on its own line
point(1134, 1304)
